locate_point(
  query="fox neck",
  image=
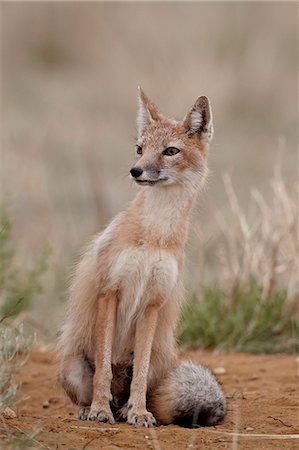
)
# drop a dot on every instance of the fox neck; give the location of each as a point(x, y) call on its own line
point(166, 211)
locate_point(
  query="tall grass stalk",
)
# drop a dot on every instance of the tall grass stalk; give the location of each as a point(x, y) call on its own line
point(253, 306)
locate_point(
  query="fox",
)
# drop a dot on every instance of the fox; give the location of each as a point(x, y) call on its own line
point(117, 352)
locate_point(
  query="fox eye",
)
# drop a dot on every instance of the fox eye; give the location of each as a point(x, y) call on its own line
point(138, 150)
point(170, 151)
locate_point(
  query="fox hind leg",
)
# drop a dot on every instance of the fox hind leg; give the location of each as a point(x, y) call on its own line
point(76, 377)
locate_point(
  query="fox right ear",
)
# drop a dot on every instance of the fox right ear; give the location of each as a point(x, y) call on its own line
point(199, 119)
point(147, 112)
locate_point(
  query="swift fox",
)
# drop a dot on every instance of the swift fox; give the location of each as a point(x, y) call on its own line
point(117, 349)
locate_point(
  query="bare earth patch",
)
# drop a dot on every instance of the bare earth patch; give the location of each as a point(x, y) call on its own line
point(263, 399)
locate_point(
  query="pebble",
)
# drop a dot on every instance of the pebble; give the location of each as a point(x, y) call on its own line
point(219, 371)
point(9, 413)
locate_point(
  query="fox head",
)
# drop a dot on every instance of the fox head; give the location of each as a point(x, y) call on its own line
point(170, 152)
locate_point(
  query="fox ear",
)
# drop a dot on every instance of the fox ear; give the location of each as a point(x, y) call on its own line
point(147, 113)
point(199, 119)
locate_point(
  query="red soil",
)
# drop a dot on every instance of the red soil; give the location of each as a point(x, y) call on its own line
point(263, 399)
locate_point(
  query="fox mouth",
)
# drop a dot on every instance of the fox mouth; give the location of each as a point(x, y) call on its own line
point(151, 182)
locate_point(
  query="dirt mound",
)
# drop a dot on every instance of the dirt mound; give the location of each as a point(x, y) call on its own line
point(263, 399)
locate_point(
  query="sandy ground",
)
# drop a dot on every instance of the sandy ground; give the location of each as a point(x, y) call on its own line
point(262, 393)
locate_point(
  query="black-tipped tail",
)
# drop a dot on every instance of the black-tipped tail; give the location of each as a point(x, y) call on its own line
point(190, 396)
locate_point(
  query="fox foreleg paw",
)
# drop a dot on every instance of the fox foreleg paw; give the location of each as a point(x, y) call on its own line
point(101, 416)
point(83, 413)
point(144, 419)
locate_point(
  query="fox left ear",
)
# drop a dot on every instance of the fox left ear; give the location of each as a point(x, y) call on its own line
point(199, 119)
point(147, 112)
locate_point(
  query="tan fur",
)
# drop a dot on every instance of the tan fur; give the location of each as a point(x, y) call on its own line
point(104, 334)
point(126, 292)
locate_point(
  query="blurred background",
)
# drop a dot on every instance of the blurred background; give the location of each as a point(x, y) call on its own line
point(69, 77)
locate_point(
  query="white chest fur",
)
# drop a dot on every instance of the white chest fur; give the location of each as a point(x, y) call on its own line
point(143, 276)
point(145, 271)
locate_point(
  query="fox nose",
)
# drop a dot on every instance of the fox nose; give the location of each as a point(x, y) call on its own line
point(136, 172)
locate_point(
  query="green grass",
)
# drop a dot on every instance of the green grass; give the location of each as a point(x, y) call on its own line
point(241, 321)
point(18, 287)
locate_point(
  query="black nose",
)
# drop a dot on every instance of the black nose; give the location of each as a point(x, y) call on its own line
point(136, 172)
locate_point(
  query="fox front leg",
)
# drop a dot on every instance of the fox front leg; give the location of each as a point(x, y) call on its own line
point(105, 323)
point(136, 411)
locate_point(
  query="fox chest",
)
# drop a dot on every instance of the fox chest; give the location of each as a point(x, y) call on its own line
point(140, 273)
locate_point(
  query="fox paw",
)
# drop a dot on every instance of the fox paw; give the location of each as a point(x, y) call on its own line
point(83, 413)
point(141, 420)
point(122, 413)
point(101, 416)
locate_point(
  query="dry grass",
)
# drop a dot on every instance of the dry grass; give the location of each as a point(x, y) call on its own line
point(15, 345)
point(262, 246)
point(253, 306)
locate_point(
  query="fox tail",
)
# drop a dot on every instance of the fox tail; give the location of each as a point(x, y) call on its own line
point(189, 396)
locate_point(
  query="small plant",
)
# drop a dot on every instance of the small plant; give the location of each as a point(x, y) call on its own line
point(14, 350)
point(254, 304)
point(17, 287)
point(17, 290)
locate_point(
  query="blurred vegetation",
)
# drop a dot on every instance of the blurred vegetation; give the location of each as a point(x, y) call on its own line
point(243, 321)
point(18, 286)
point(254, 305)
point(15, 345)
point(17, 440)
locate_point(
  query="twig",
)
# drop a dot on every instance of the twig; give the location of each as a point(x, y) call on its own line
point(70, 419)
point(237, 414)
point(78, 427)
point(279, 420)
point(13, 311)
point(259, 436)
point(155, 439)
